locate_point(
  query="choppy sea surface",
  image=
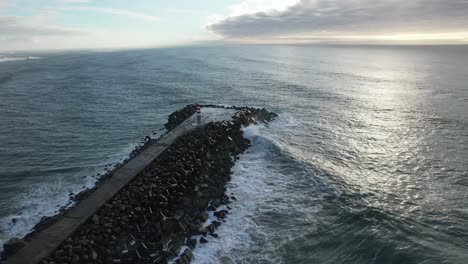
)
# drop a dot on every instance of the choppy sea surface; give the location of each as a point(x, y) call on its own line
point(367, 162)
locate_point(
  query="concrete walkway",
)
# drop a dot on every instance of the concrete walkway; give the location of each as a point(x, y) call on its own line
point(49, 239)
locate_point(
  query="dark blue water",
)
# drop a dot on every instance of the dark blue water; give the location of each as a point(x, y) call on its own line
point(366, 164)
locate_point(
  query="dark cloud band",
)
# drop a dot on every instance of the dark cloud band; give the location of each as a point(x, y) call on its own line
point(349, 17)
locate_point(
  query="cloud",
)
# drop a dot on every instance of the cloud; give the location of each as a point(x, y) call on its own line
point(346, 17)
point(38, 32)
point(75, 1)
point(11, 3)
point(21, 26)
point(16, 31)
point(5, 3)
point(112, 11)
point(255, 6)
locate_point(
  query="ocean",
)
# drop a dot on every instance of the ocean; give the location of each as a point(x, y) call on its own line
point(367, 162)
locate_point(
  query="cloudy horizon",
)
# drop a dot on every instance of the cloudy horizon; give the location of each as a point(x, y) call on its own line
point(79, 24)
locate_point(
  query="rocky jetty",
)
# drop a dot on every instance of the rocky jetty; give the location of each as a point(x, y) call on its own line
point(162, 214)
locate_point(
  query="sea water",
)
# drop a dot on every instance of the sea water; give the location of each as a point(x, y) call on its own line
point(367, 162)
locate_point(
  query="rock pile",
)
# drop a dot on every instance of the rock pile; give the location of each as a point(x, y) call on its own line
point(179, 116)
point(163, 213)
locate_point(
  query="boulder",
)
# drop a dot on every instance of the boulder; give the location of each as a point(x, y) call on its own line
point(12, 246)
point(220, 214)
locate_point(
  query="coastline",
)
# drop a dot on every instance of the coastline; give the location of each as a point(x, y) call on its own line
point(221, 141)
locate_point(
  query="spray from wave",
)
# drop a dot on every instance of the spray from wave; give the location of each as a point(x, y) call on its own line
point(248, 183)
point(266, 208)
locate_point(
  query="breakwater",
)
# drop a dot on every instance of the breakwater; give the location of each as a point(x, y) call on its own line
point(161, 214)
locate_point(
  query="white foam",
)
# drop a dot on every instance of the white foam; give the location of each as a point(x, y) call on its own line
point(46, 198)
point(261, 186)
point(249, 185)
point(251, 131)
point(8, 59)
point(233, 233)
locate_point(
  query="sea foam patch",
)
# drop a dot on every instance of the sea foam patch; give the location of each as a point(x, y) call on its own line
point(268, 211)
point(8, 59)
point(47, 198)
point(249, 186)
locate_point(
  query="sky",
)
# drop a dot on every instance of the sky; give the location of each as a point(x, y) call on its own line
point(101, 24)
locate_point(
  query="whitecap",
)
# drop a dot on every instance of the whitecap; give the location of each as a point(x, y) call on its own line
point(255, 183)
point(9, 59)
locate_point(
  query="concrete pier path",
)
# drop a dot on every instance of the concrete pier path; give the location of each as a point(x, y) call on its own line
point(48, 240)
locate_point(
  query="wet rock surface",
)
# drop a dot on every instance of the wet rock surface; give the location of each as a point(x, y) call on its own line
point(12, 246)
point(179, 116)
point(162, 214)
